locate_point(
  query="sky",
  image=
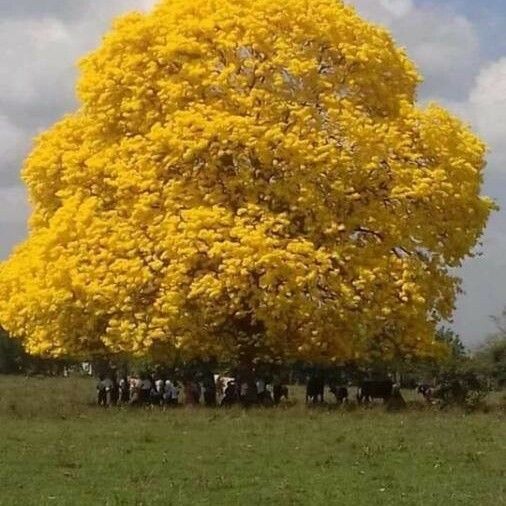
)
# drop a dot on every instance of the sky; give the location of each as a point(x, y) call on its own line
point(459, 46)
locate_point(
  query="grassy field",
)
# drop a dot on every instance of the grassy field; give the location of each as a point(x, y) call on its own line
point(57, 449)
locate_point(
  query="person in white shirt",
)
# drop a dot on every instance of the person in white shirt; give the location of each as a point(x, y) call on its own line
point(170, 394)
point(260, 389)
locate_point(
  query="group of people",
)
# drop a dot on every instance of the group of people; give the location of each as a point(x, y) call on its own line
point(133, 390)
point(212, 390)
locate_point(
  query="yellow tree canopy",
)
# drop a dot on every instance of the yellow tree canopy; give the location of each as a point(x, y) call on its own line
point(248, 179)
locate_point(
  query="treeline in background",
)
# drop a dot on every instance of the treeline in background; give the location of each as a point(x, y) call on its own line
point(488, 363)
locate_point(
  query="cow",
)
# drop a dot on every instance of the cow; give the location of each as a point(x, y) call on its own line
point(340, 392)
point(230, 396)
point(426, 391)
point(279, 392)
point(315, 389)
point(450, 391)
point(373, 389)
point(221, 383)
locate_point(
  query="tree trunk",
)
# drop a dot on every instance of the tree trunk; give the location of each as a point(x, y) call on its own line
point(246, 374)
point(247, 384)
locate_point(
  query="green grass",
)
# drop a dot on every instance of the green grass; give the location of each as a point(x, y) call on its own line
point(57, 449)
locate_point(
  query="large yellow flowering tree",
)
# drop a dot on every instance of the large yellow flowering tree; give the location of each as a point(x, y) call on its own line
point(249, 180)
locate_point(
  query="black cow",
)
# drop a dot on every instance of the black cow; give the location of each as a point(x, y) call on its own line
point(340, 392)
point(279, 392)
point(451, 392)
point(315, 389)
point(371, 389)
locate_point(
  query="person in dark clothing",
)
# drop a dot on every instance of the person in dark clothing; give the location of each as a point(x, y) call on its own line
point(209, 390)
point(267, 399)
point(396, 402)
point(124, 391)
point(156, 394)
point(102, 391)
point(279, 391)
point(114, 391)
point(196, 391)
point(145, 389)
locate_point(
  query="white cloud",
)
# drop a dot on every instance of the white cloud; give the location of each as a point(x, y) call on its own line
point(484, 282)
point(30, 9)
point(444, 46)
point(13, 142)
point(488, 105)
point(14, 213)
point(13, 205)
point(40, 41)
point(35, 70)
point(484, 278)
point(39, 45)
point(38, 56)
point(397, 8)
point(13, 217)
point(485, 109)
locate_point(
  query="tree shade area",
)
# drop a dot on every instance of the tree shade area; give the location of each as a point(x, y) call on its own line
point(250, 180)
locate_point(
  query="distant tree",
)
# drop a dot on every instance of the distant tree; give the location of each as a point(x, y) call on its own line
point(452, 340)
point(500, 323)
point(492, 357)
point(430, 369)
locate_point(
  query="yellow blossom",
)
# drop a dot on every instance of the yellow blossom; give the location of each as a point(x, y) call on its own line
point(246, 178)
